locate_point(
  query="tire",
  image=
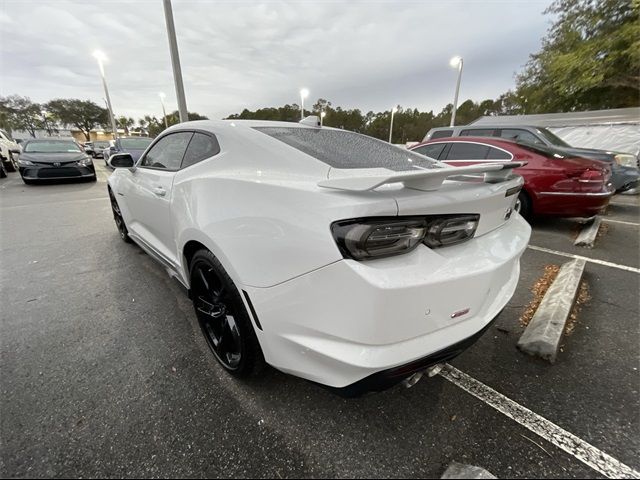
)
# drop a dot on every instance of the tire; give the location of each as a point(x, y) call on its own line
point(12, 166)
point(117, 217)
point(223, 318)
point(3, 171)
point(523, 205)
point(94, 178)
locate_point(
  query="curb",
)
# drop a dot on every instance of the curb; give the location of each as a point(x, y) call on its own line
point(542, 336)
point(588, 234)
point(459, 470)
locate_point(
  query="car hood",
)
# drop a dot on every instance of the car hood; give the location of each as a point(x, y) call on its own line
point(53, 157)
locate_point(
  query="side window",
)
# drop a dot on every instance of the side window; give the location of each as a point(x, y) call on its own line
point(517, 134)
point(432, 151)
point(200, 147)
point(467, 151)
point(477, 132)
point(441, 134)
point(167, 153)
point(497, 154)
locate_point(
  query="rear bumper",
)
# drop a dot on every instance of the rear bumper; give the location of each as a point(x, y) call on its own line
point(388, 378)
point(350, 320)
point(572, 204)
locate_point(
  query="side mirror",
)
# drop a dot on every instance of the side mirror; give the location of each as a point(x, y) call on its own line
point(121, 160)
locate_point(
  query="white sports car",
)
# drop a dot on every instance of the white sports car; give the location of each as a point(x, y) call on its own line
point(333, 256)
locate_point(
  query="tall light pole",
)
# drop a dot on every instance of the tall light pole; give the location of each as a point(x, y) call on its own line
point(456, 62)
point(393, 112)
point(164, 112)
point(322, 115)
point(101, 57)
point(304, 93)
point(175, 62)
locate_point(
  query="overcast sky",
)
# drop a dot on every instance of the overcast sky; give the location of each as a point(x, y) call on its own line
point(249, 54)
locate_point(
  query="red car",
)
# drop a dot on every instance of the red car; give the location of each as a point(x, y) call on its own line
point(553, 183)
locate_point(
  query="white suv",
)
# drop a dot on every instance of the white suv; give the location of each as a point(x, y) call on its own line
point(8, 149)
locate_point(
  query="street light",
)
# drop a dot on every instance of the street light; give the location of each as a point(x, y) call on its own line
point(101, 57)
point(175, 61)
point(304, 93)
point(322, 115)
point(393, 112)
point(456, 62)
point(164, 112)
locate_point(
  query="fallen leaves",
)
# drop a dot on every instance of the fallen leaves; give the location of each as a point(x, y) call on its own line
point(539, 289)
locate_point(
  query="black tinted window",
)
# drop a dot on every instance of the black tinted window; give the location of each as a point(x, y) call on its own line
point(477, 132)
point(432, 151)
point(200, 147)
point(467, 151)
point(168, 151)
point(343, 149)
point(519, 135)
point(497, 154)
point(441, 134)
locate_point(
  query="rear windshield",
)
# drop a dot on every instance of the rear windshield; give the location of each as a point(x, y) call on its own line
point(135, 143)
point(52, 147)
point(343, 149)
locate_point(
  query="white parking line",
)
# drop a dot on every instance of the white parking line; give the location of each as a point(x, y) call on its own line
point(552, 433)
point(610, 220)
point(592, 260)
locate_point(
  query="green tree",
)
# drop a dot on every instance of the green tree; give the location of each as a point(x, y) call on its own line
point(125, 123)
point(590, 58)
point(81, 114)
point(20, 113)
point(156, 125)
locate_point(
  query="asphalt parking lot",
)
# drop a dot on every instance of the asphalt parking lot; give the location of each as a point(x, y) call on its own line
point(104, 371)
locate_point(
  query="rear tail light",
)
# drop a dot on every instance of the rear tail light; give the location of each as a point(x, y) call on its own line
point(592, 176)
point(367, 238)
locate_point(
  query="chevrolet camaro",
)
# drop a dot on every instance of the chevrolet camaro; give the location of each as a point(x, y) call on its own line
point(330, 255)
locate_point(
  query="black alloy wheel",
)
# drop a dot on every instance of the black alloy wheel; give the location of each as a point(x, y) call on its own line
point(117, 216)
point(223, 319)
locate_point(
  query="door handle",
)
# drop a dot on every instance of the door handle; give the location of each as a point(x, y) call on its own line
point(161, 192)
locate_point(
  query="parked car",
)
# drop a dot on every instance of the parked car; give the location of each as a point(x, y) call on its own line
point(3, 170)
point(9, 150)
point(132, 145)
point(88, 148)
point(624, 166)
point(98, 147)
point(333, 256)
point(554, 184)
point(49, 159)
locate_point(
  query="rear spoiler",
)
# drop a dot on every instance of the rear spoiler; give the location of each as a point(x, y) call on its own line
point(422, 179)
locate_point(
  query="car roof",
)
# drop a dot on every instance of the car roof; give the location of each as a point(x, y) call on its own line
point(212, 125)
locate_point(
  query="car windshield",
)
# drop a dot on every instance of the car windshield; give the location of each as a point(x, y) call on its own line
point(135, 143)
point(52, 147)
point(343, 149)
point(553, 138)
